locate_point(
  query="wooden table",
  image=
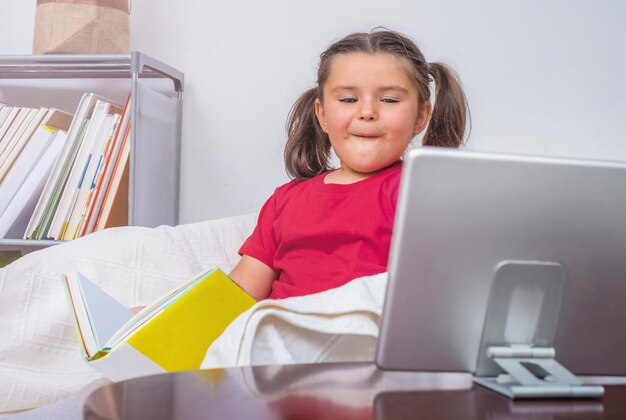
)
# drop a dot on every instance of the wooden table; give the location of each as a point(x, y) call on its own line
point(329, 391)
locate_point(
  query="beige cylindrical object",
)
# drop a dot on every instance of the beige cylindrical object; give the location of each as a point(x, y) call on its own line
point(81, 27)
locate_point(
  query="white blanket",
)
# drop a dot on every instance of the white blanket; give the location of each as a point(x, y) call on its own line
point(338, 325)
point(40, 360)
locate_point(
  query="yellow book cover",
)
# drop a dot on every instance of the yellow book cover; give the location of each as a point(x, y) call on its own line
point(172, 334)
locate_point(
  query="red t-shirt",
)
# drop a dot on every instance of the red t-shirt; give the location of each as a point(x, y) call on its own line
point(319, 236)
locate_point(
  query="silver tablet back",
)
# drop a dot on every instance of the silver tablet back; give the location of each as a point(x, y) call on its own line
point(461, 213)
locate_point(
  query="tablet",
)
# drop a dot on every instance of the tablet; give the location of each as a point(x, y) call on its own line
point(461, 214)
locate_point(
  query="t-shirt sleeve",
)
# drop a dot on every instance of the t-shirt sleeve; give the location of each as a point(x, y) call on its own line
point(262, 243)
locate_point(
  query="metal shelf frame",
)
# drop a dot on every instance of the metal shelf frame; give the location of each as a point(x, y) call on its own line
point(144, 139)
point(68, 66)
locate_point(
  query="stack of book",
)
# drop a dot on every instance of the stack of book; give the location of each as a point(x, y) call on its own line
point(62, 177)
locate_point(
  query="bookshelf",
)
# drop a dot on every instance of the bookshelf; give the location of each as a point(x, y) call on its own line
point(155, 132)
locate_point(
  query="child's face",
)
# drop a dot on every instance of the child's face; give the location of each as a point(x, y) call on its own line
point(371, 110)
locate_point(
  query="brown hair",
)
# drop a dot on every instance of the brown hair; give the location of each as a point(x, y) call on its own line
point(307, 151)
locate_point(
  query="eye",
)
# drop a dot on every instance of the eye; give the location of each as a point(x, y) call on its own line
point(389, 100)
point(349, 100)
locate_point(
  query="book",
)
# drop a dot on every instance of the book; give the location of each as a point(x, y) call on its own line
point(171, 334)
point(41, 221)
point(77, 171)
point(5, 111)
point(18, 212)
point(91, 167)
point(46, 208)
point(17, 127)
point(98, 109)
point(106, 177)
point(32, 151)
point(114, 202)
point(6, 124)
point(20, 141)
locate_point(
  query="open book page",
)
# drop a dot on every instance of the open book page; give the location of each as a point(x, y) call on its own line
point(106, 315)
point(98, 315)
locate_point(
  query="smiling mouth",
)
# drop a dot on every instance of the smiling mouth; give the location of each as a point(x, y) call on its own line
point(367, 135)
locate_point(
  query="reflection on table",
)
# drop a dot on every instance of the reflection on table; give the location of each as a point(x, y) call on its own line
point(328, 391)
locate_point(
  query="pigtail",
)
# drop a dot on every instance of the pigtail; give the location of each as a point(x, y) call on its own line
point(447, 123)
point(307, 151)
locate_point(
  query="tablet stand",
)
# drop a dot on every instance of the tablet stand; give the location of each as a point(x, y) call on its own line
point(516, 356)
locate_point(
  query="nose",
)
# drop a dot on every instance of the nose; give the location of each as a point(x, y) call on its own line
point(367, 111)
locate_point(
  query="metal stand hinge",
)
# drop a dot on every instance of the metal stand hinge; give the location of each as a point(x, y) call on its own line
point(532, 372)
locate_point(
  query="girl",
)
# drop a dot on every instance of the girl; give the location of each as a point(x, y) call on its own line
point(327, 227)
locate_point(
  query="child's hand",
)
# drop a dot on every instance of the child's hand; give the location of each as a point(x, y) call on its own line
point(136, 309)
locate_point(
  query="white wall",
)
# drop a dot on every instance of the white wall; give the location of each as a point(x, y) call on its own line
point(541, 77)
